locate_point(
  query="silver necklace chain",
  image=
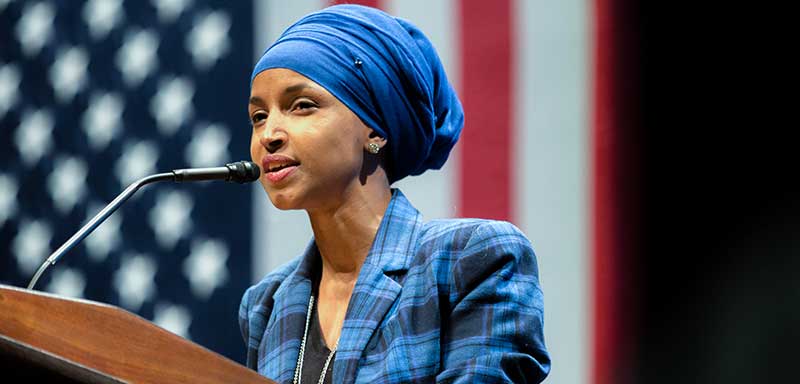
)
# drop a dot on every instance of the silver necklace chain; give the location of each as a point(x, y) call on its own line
point(299, 369)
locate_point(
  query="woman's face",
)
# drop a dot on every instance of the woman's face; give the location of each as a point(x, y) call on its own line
point(308, 144)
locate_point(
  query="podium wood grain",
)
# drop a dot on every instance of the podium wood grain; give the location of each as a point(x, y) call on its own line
point(112, 341)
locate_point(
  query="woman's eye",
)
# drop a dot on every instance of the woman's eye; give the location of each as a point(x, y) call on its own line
point(303, 105)
point(258, 117)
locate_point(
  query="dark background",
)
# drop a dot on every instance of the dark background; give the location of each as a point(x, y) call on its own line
point(715, 293)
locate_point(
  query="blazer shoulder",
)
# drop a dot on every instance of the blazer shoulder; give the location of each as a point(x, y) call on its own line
point(261, 292)
point(463, 233)
point(450, 241)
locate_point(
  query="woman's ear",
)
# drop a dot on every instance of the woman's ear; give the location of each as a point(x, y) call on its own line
point(374, 142)
point(373, 158)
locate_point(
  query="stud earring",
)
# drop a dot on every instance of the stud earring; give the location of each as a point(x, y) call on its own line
point(373, 148)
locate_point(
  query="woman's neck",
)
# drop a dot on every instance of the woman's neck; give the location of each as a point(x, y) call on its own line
point(344, 233)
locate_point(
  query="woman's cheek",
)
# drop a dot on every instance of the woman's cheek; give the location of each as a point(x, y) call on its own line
point(254, 149)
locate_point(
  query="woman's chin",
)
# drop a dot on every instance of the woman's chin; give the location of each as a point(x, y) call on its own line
point(283, 200)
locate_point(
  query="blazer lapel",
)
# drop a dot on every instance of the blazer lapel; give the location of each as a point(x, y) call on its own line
point(287, 321)
point(376, 291)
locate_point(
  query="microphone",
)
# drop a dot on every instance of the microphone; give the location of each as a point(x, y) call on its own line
point(240, 172)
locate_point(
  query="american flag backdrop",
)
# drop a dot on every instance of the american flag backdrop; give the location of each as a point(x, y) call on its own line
point(94, 94)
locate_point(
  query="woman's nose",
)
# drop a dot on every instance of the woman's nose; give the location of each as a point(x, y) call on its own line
point(273, 139)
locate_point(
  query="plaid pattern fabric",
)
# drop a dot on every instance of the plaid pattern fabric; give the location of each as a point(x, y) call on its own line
point(447, 301)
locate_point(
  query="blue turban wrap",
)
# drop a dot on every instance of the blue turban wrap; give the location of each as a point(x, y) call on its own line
point(386, 71)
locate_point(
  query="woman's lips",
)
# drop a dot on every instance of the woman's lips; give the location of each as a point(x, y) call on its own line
point(279, 175)
point(286, 164)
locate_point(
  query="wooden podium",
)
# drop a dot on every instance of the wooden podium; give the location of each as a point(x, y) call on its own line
point(48, 338)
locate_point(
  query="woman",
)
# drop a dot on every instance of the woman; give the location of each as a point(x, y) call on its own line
point(347, 101)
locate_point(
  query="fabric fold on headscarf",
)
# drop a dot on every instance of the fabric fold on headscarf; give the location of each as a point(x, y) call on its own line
point(386, 71)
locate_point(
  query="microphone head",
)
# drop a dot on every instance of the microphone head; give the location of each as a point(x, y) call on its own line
point(244, 171)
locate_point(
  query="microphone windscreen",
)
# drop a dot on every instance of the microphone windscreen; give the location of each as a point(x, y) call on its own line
point(244, 171)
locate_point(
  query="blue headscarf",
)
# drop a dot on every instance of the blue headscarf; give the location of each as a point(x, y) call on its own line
point(386, 71)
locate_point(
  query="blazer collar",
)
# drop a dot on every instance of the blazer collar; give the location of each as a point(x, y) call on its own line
point(377, 288)
point(286, 324)
point(396, 238)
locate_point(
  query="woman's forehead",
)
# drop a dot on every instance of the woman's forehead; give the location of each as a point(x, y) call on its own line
point(281, 81)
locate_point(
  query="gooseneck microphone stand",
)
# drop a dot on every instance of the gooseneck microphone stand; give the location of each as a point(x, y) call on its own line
point(98, 219)
point(240, 172)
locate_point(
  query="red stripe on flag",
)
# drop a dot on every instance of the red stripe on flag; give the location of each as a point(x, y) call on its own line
point(603, 205)
point(368, 3)
point(615, 195)
point(486, 149)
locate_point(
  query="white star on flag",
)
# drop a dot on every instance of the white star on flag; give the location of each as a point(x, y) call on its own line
point(170, 217)
point(106, 237)
point(32, 245)
point(33, 136)
point(174, 318)
point(102, 16)
point(68, 73)
point(102, 119)
point(172, 104)
point(208, 40)
point(9, 87)
point(138, 160)
point(134, 280)
point(35, 27)
point(67, 183)
point(169, 10)
point(205, 267)
point(8, 198)
point(67, 282)
point(137, 59)
point(209, 146)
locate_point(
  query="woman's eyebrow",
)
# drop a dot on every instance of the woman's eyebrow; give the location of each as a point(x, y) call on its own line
point(288, 90)
point(257, 101)
point(297, 87)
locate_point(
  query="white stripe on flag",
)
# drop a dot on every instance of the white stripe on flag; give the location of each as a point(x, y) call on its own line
point(433, 192)
point(553, 126)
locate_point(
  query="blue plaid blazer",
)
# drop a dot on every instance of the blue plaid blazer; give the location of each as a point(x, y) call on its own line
point(454, 301)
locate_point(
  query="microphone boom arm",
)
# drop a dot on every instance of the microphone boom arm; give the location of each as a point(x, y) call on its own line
point(98, 219)
point(239, 172)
